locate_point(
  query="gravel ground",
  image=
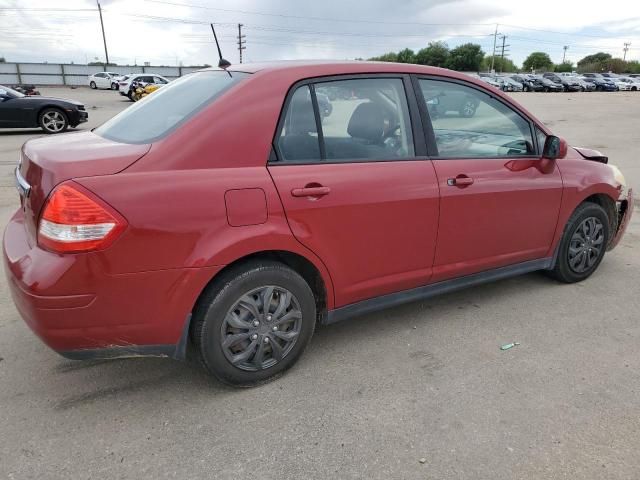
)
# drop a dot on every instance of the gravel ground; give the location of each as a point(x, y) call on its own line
point(420, 391)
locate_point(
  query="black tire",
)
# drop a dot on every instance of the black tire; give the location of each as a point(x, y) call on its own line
point(563, 270)
point(546, 89)
point(598, 88)
point(93, 85)
point(53, 120)
point(114, 86)
point(468, 109)
point(211, 325)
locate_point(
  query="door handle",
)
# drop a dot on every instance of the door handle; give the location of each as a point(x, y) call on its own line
point(460, 181)
point(315, 191)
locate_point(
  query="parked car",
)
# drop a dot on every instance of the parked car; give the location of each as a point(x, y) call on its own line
point(620, 84)
point(26, 89)
point(103, 80)
point(231, 220)
point(569, 84)
point(461, 103)
point(584, 85)
point(548, 85)
point(634, 75)
point(634, 82)
point(141, 78)
point(53, 115)
point(602, 84)
point(491, 81)
point(509, 84)
point(529, 83)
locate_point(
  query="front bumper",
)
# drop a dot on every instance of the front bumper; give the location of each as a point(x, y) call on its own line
point(81, 311)
point(77, 116)
point(625, 211)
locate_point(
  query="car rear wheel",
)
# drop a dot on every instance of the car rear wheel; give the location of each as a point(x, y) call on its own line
point(114, 86)
point(92, 84)
point(583, 244)
point(469, 109)
point(53, 120)
point(253, 323)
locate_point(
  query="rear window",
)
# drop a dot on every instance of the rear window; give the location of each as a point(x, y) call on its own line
point(165, 109)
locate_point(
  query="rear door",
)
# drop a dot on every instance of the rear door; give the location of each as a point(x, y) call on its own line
point(356, 189)
point(499, 199)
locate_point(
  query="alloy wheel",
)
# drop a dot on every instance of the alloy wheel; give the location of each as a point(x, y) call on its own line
point(586, 245)
point(53, 121)
point(469, 109)
point(261, 328)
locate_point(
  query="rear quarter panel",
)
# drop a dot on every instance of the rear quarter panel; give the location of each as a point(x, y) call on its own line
point(178, 220)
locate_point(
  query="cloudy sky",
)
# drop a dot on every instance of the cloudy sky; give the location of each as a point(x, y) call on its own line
point(170, 32)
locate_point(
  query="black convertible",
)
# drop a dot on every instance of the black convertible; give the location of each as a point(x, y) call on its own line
point(53, 115)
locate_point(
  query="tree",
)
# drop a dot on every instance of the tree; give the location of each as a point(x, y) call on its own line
point(102, 64)
point(466, 58)
point(564, 67)
point(406, 56)
point(2, 60)
point(537, 61)
point(500, 65)
point(436, 55)
point(596, 58)
point(387, 57)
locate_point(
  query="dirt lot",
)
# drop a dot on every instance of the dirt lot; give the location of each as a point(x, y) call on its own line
point(372, 396)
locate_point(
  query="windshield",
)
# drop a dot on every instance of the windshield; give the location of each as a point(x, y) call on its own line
point(11, 91)
point(167, 108)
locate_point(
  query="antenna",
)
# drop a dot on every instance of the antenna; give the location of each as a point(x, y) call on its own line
point(224, 64)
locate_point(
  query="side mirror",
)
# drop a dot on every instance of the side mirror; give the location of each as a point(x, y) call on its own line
point(554, 148)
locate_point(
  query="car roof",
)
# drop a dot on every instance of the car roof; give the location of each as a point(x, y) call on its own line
point(341, 67)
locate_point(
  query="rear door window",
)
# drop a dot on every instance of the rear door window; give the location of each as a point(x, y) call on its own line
point(364, 119)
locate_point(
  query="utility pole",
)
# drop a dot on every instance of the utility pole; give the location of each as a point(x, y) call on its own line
point(503, 52)
point(104, 38)
point(493, 56)
point(241, 41)
point(626, 49)
point(564, 55)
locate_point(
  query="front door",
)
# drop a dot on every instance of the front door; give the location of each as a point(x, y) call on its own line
point(353, 188)
point(499, 200)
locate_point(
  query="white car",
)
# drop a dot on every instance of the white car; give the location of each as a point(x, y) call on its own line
point(103, 80)
point(147, 78)
point(621, 84)
point(633, 82)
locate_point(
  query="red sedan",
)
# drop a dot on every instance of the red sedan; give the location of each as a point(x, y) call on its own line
point(231, 211)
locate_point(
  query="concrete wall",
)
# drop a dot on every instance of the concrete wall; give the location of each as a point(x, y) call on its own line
point(74, 74)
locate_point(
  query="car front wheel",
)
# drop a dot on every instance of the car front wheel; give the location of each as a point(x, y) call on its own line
point(114, 86)
point(583, 243)
point(253, 323)
point(53, 120)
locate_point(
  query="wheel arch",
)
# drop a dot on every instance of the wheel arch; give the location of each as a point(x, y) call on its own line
point(316, 279)
point(609, 205)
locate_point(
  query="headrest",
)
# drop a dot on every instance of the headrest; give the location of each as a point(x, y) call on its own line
point(369, 121)
point(302, 119)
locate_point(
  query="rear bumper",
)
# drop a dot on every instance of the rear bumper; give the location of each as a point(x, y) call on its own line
point(81, 311)
point(625, 211)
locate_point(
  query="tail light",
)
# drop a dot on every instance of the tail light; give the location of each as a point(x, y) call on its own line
point(75, 220)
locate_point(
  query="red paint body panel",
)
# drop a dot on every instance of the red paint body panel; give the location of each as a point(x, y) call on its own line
point(203, 197)
point(376, 229)
point(508, 215)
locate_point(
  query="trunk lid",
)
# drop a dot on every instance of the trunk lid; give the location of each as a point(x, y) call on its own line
point(47, 161)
